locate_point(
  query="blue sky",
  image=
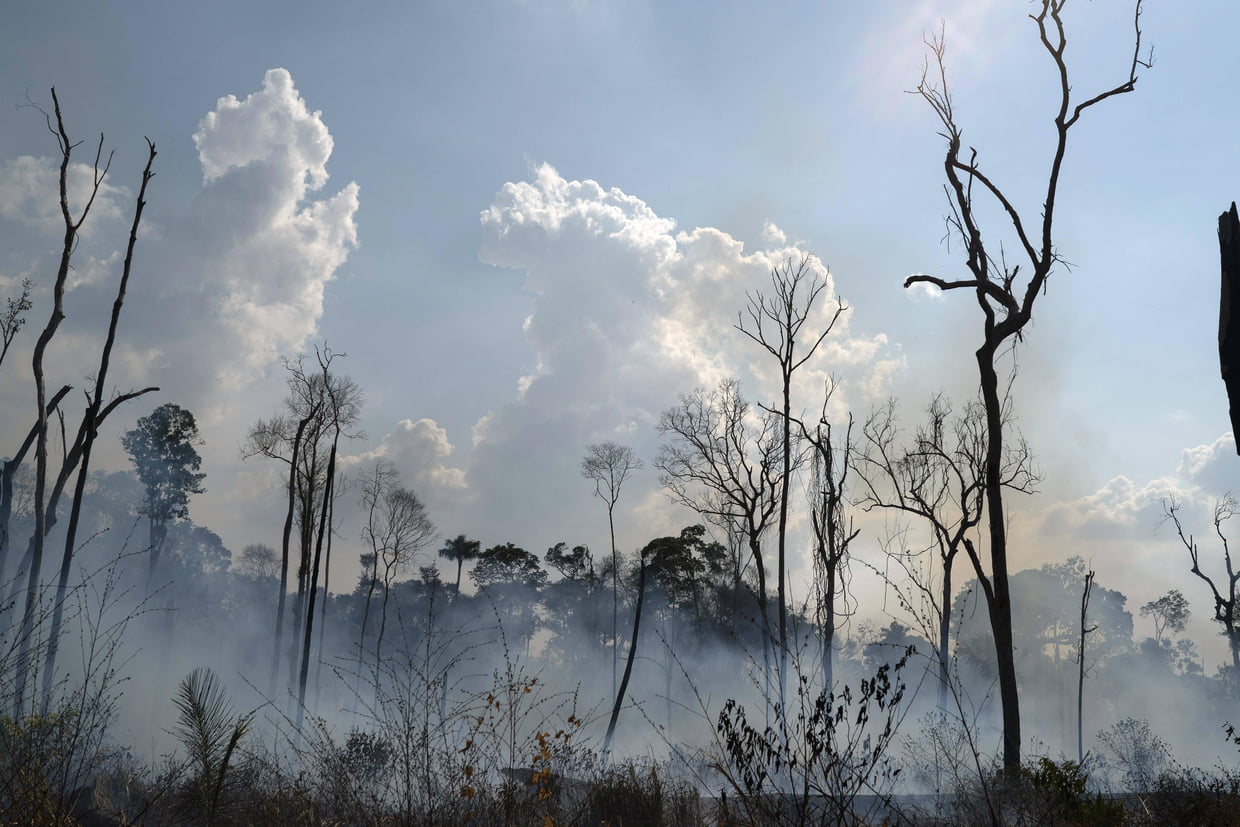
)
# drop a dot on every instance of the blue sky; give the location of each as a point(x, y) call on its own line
point(438, 131)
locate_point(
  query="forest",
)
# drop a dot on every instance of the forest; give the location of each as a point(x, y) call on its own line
point(732, 671)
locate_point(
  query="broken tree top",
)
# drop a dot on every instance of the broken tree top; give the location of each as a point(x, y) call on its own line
point(1229, 312)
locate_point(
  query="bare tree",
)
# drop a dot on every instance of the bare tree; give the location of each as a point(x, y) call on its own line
point(397, 528)
point(376, 484)
point(628, 663)
point(608, 465)
point(265, 438)
point(45, 506)
point(726, 464)
point(830, 462)
point(1080, 660)
point(776, 323)
point(1006, 297)
point(258, 561)
point(72, 226)
point(9, 473)
point(1225, 598)
point(938, 478)
point(90, 432)
point(318, 401)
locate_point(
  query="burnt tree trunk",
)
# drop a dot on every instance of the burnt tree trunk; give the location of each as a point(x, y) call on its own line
point(628, 665)
point(91, 427)
point(7, 473)
point(1229, 312)
point(313, 588)
point(284, 549)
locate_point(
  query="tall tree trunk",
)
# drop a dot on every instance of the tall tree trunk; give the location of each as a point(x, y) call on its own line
point(387, 590)
point(828, 632)
point(1229, 313)
point(327, 570)
point(783, 529)
point(284, 549)
point(628, 664)
point(1000, 606)
point(1080, 680)
point(615, 603)
point(1233, 638)
point(945, 624)
point(7, 474)
point(157, 534)
point(370, 591)
point(755, 549)
point(90, 425)
point(312, 589)
point(26, 630)
point(72, 457)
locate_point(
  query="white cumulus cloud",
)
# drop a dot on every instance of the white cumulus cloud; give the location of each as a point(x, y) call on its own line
point(420, 451)
point(30, 193)
point(629, 313)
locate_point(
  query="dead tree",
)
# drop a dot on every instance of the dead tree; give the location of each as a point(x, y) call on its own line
point(376, 485)
point(340, 483)
point(1225, 599)
point(270, 428)
point(301, 437)
point(406, 529)
point(608, 466)
point(724, 465)
point(9, 472)
point(72, 455)
point(91, 431)
point(937, 478)
point(1006, 297)
point(830, 462)
point(397, 527)
point(776, 322)
point(1080, 676)
point(45, 506)
point(344, 402)
point(1229, 313)
point(72, 226)
point(628, 664)
point(314, 578)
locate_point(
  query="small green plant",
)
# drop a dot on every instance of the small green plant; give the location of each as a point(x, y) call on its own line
point(628, 794)
point(209, 731)
point(32, 753)
point(1064, 788)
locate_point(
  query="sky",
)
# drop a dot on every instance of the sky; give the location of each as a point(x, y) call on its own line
point(530, 225)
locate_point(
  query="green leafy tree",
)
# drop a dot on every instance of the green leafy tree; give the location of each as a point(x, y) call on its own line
point(209, 730)
point(575, 608)
point(508, 565)
point(1170, 613)
point(161, 447)
point(512, 578)
point(575, 565)
point(460, 550)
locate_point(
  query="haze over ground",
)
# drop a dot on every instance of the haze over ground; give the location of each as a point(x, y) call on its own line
point(415, 186)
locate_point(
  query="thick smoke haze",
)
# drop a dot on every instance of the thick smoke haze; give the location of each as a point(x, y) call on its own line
point(501, 306)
